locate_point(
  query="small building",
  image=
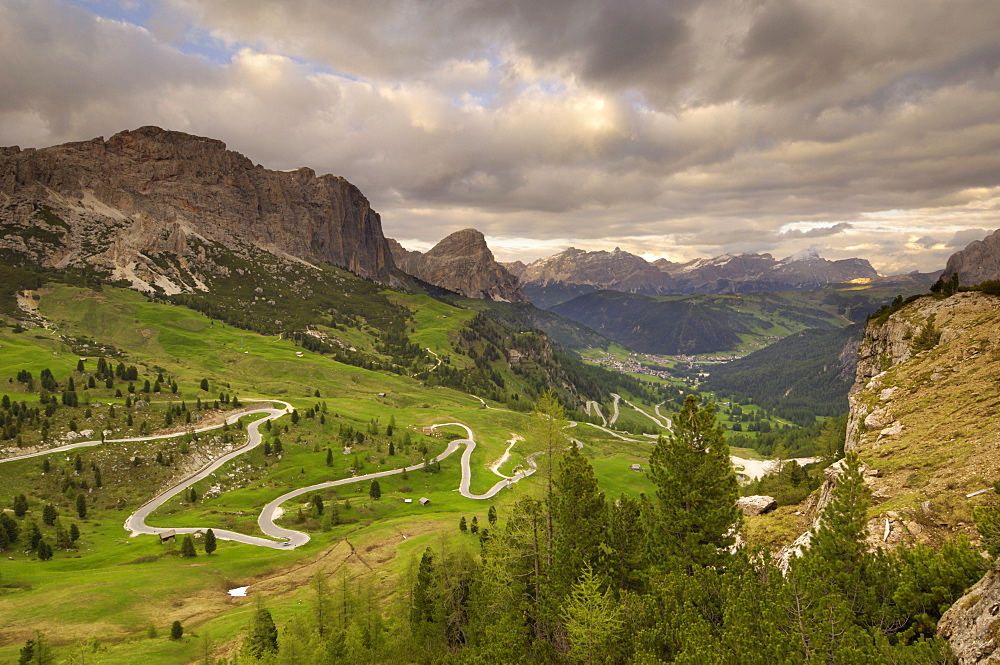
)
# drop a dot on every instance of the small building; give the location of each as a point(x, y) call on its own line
point(170, 534)
point(381, 394)
point(407, 500)
point(424, 501)
point(636, 467)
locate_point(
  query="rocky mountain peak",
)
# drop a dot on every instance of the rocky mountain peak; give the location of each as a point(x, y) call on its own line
point(461, 262)
point(978, 262)
point(122, 204)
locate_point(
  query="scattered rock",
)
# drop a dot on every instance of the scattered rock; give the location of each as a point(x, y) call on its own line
point(756, 505)
point(894, 429)
point(886, 394)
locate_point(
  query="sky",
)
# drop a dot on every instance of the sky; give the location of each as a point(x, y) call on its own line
point(668, 128)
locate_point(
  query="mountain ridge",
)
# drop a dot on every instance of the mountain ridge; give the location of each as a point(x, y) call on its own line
point(119, 204)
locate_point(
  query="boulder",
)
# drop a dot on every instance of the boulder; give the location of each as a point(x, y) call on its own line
point(756, 505)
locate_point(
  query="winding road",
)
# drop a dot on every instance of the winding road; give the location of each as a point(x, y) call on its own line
point(287, 538)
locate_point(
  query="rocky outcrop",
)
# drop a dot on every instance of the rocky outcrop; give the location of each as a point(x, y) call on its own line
point(119, 204)
point(756, 505)
point(978, 262)
point(463, 263)
point(972, 624)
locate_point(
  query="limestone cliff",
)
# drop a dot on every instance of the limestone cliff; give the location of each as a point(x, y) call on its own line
point(463, 263)
point(121, 203)
point(922, 414)
point(978, 262)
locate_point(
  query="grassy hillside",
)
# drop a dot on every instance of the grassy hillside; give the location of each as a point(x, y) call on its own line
point(134, 587)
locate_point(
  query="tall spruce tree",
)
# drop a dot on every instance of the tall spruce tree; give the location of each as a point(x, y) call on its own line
point(210, 542)
point(695, 515)
point(579, 520)
point(262, 635)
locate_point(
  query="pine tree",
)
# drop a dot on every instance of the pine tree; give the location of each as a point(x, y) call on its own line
point(210, 543)
point(187, 546)
point(492, 515)
point(262, 635)
point(49, 514)
point(44, 550)
point(81, 506)
point(329, 457)
point(375, 492)
point(579, 518)
point(317, 502)
point(176, 630)
point(462, 526)
point(74, 532)
point(695, 513)
point(20, 505)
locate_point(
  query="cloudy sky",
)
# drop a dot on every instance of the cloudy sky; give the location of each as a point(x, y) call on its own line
point(676, 128)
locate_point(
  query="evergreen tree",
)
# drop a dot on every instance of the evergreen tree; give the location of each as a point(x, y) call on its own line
point(74, 532)
point(474, 528)
point(203, 385)
point(329, 457)
point(20, 505)
point(44, 550)
point(317, 502)
point(695, 513)
point(579, 518)
point(49, 514)
point(492, 515)
point(176, 630)
point(423, 608)
point(375, 492)
point(462, 526)
point(81, 506)
point(210, 543)
point(187, 546)
point(262, 635)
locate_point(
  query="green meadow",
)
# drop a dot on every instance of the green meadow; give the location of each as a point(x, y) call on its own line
point(110, 596)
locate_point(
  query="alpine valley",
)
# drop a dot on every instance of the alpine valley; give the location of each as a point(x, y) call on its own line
point(241, 425)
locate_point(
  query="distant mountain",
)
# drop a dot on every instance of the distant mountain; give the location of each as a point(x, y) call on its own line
point(978, 262)
point(170, 212)
point(575, 271)
point(463, 263)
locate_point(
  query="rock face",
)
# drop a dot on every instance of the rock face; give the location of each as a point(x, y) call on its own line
point(118, 203)
point(756, 505)
point(972, 624)
point(462, 263)
point(729, 273)
point(978, 262)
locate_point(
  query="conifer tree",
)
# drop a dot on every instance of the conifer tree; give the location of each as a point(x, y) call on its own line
point(210, 543)
point(695, 516)
point(593, 620)
point(81, 506)
point(463, 525)
point(262, 635)
point(20, 505)
point(988, 524)
point(44, 550)
point(187, 546)
point(49, 514)
point(375, 492)
point(176, 630)
point(74, 532)
point(579, 518)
